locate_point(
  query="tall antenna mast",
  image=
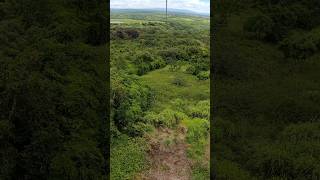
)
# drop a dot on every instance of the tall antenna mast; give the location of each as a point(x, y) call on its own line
point(166, 10)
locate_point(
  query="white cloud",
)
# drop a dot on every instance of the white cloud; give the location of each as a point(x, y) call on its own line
point(194, 5)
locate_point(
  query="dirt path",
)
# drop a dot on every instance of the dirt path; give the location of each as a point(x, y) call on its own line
point(168, 156)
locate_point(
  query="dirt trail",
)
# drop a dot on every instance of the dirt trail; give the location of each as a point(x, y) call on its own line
point(168, 156)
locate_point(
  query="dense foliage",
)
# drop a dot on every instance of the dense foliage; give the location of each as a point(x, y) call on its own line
point(53, 89)
point(266, 95)
point(159, 79)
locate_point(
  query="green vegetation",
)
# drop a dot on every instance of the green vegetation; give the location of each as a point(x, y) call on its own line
point(160, 79)
point(267, 90)
point(127, 157)
point(52, 89)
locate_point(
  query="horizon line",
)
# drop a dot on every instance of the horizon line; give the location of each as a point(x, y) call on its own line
point(155, 8)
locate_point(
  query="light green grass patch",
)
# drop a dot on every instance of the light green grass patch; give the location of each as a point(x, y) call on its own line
point(161, 80)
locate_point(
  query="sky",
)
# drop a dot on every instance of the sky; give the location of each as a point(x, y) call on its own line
point(202, 6)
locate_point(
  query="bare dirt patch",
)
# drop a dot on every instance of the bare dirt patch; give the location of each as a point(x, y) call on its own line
point(168, 156)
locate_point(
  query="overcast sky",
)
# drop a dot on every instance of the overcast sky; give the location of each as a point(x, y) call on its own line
point(193, 5)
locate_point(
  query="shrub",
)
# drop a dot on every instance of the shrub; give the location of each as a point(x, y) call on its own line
point(166, 118)
point(179, 105)
point(301, 45)
point(307, 167)
point(284, 20)
point(200, 110)
point(194, 50)
point(78, 154)
point(179, 81)
point(146, 62)
point(158, 63)
point(172, 55)
point(197, 129)
point(304, 17)
point(120, 34)
point(301, 132)
point(272, 161)
point(140, 128)
point(203, 75)
point(143, 68)
point(125, 34)
point(132, 33)
point(129, 101)
point(260, 26)
point(192, 70)
point(293, 110)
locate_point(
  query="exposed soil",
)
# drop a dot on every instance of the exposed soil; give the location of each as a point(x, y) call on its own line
point(168, 156)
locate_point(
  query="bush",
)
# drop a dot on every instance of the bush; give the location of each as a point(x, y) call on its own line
point(129, 101)
point(293, 110)
point(140, 128)
point(132, 33)
point(192, 70)
point(301, 132)
point(146, 62)
point(200, 110)
point(301, 45)
point(79, 155)
point(304, 16)
point(260, 27)
point(158, 63)
point(124, 34)
point(203, 75)
point(172, 55)
point(284, 20)
point(198, 129)
point(277, 21)
point(272, 161)
point(194, 51)
point(143, 68)
point(166, 118)
point(179, 105)
point(179, 81)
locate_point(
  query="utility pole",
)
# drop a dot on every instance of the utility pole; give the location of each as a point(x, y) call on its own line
point(166, 11)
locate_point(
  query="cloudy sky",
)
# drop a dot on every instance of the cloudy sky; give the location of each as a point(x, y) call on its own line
point(193, 5)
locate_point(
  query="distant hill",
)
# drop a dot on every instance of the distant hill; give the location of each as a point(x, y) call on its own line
point(159, 10)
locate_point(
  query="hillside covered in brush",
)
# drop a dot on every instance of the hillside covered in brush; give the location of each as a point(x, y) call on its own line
point(267, 90)
point(160, 96)
point(53, 89)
